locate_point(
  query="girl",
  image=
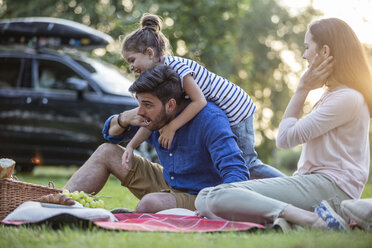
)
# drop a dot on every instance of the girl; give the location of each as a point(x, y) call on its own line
point(147, 47)
point(334, 162)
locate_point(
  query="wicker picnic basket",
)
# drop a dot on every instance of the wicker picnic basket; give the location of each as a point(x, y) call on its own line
point(13, 193)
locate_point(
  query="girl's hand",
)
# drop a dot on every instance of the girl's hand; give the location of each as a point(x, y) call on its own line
point(127, 157)
point(317, 74)
point(166, 136)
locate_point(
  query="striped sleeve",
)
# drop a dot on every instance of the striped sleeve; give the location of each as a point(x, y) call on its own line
point(232, 99)
point(179, 66)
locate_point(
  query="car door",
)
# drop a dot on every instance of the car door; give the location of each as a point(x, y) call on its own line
point(52, 108)
point(68, 119)
point(16, 122)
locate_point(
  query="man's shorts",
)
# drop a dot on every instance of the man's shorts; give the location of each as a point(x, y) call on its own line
point(145, 177)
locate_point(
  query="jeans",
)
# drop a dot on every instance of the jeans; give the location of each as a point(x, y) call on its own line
point(262, 201)
point(245, 133)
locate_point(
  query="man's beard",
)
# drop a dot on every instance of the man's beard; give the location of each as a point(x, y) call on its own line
point(161, 120)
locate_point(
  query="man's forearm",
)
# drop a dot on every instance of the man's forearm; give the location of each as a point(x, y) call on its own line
point(127, 118)
point(118, 124)
point(116, 134)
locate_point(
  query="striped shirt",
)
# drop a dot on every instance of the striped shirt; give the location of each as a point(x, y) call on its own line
point(232, 99)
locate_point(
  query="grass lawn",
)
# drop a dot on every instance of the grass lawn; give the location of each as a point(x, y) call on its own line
point(43, 236)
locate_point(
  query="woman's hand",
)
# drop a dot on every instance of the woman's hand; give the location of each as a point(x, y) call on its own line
point(315, 77)
point(317, 74)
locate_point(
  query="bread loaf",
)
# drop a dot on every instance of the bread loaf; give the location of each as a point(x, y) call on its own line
point(57, 199)
point(6, 167)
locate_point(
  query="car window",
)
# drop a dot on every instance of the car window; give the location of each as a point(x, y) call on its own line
point(86, 66)
point(10, 72)
point(108, 77)
point(53, 75)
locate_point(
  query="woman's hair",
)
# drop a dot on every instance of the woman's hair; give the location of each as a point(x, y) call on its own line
point(160, 81)
point(351, 65)
point(148, 35)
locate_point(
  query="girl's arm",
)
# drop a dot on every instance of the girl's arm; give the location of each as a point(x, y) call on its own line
point(198, 102)
point(141, 135)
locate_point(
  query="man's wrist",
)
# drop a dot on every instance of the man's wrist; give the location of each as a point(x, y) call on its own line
point(120, 123)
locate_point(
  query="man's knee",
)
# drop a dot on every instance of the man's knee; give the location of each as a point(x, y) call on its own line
point(155, 202)
point(107, 148)
point(108, 152)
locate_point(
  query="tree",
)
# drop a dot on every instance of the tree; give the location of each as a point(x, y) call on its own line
point(242, 40)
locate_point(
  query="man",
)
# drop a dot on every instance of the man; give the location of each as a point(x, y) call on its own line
point(203, 153)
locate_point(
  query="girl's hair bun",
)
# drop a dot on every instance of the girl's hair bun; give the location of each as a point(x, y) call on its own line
point(152, 22)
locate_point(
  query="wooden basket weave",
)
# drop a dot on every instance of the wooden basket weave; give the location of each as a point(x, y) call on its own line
point(13, 193)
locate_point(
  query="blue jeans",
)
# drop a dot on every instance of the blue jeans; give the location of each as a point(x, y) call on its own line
point(244, 131)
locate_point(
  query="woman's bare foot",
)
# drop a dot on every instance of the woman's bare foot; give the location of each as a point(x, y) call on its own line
point(319, 224)
point(302, 217)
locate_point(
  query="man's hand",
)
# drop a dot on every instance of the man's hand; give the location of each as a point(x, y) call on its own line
point(166, 136)
point(130, 117)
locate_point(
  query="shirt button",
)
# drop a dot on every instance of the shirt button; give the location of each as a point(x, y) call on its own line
point(172, 178)
point(170, 154)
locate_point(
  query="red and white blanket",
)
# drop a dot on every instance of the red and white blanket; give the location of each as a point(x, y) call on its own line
point(174, 223)
point(164, 223)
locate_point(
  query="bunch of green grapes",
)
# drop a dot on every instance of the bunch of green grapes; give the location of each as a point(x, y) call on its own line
point(87, 200)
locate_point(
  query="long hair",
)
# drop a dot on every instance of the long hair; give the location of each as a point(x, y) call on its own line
point(351, 65)
point(148, 35)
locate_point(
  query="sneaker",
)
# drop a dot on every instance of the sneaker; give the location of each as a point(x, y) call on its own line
point(333, 220)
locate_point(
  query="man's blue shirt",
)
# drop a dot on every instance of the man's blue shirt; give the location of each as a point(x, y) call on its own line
point(203, 153)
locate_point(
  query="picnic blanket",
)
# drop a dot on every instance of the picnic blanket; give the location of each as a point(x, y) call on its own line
point(149, 223)
point(34, 213)
point(174, 223)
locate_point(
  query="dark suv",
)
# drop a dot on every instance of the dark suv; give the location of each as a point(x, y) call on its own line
point(53, 104)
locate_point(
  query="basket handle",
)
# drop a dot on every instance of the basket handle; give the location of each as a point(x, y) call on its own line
point(51, 185)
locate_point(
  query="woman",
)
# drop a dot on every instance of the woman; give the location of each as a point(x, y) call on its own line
point(334, 162)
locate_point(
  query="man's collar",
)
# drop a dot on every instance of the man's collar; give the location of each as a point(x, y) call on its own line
point(182, 106)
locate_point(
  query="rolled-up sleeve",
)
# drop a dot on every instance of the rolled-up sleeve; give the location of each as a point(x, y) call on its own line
point(125, 136)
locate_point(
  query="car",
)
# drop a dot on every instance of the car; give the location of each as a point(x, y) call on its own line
point(54, 99)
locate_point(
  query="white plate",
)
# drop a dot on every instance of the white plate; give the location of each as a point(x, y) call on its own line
point(52, 205)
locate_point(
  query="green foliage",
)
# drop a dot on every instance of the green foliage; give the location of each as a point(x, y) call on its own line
point(241, 40)
point(286, 160)
point(367, 192)
point(35, 237)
